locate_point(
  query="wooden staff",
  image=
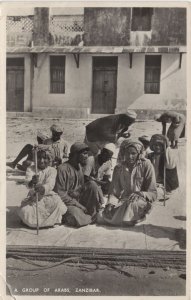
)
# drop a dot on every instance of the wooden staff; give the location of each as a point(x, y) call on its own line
point(164, 175)
point(36, 173)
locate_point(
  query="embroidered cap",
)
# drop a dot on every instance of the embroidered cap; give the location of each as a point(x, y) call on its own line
point(111, 147)
point(131, 114)
point(144, 138)
point(56, 128)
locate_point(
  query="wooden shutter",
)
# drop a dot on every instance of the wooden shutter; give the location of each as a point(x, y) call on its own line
point(152, 74)
point(57, 74)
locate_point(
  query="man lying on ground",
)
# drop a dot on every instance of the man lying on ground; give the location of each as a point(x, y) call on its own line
point(56, 143)
point(133, 188)
point(108, 130)
point(83, 200)
point(50, 206)
point(163, 157)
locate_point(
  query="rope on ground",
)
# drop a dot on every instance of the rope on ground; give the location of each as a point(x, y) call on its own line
point(149, 258)
point(121, 271)
point(41, 267)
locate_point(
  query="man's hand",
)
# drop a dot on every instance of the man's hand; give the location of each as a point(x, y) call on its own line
point(39, 188)
point(83, 208)
point(108, 210)
point(109, 207)
point(134, 195)
point(126, 135)
point(74, 194)
point(35, 179)
point(57, 161)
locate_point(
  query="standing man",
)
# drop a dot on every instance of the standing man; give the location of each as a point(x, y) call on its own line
point(177, 126)
point(108, 130)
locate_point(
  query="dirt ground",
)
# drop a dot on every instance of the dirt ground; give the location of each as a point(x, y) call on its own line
point(103, 279)
point(98, 280)
point(21, 131)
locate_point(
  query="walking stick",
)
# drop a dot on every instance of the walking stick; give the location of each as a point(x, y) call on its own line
point(35, 157)
point(164, 175)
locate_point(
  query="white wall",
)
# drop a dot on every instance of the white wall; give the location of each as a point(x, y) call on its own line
point(61, 11)
point(18, 10)
point(78, 82)
point(130, 84)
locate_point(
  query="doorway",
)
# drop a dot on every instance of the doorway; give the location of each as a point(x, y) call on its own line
point(15, 84)
point(104, 84)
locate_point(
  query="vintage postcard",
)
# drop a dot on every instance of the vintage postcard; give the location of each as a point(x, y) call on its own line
point(95, 159)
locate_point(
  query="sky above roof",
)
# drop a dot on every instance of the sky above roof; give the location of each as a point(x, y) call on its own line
point(24, 11)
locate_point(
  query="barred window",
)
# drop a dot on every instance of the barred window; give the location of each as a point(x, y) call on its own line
point(57, 74)
point(152, 74)
point(141, 19)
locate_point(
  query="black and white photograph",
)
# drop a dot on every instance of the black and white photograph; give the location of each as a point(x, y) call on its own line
point(96, 148)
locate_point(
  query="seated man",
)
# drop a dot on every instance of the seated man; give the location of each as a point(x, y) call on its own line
point(163, 159)
point(56, 143)
point(145, 140)
point(99, 168)
point(108, 130)
point(50, 206)
point(133, 187)
point(83, 200)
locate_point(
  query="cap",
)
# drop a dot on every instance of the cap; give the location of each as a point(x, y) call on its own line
point(56, 128)
point(111, 147)
point(144, 138)
point(42, 136)
point(131, 114)
point(78, 147)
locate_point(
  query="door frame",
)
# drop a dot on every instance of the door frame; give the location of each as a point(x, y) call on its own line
point(92, 70)
point(15, 68)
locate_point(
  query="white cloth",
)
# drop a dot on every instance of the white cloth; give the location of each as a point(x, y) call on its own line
point(50, 206)
point(60, 147)
point(92, 168)
point(171, 158)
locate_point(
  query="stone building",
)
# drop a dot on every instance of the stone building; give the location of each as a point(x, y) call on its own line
point(78, 62)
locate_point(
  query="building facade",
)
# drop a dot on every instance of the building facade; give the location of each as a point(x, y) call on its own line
point(96, 61)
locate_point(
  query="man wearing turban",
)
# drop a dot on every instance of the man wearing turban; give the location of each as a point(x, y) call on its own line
point(50, 206)
point(133, 187)
point(164, 157)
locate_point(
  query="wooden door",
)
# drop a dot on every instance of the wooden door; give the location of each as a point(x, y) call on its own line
point(104, 85)
point(15, 86)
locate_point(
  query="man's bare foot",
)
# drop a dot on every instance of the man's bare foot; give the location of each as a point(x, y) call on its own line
point(11, 164)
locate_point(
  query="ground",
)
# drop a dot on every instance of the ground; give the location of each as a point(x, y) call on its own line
point(164, 229)
point(105, 281)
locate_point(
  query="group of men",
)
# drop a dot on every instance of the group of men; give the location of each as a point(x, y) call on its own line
point(84, 175)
